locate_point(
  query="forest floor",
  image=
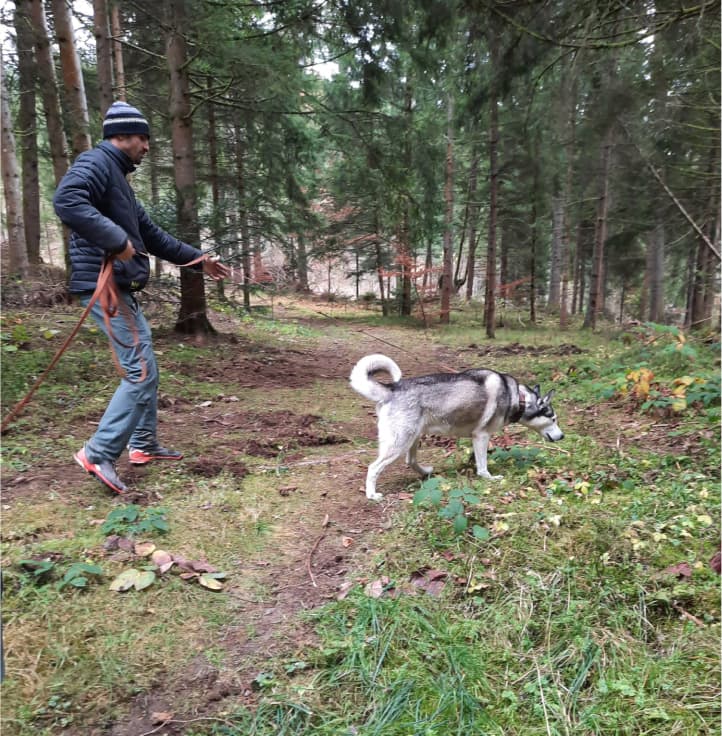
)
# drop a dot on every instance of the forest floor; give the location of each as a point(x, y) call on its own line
point(578, 604)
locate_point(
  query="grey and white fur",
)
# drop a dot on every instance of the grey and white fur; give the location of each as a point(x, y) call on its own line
point(473, 404)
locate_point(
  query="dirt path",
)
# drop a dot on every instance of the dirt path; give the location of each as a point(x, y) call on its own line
point(330, 532)
point(325, 530)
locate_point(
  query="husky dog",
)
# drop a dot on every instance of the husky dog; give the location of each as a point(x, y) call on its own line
point(473, 404)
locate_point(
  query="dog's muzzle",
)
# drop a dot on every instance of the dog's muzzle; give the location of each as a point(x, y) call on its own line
point(554, 436)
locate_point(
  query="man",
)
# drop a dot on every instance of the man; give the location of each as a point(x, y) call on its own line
point(96, 202)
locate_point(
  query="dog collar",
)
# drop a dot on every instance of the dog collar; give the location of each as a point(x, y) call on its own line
point(520, 411)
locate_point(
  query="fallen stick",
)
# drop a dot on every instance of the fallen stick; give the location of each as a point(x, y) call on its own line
point(313, 550)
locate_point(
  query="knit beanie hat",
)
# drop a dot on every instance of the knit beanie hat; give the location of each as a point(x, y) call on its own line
point(124, 119)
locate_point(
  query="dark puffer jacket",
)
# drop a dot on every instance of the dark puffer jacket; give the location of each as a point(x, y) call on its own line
point(96, 202)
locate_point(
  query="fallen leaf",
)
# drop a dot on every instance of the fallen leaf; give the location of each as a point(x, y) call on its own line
point(430, 581)
point(188, 575)
point(182, 562)
point(124, 581)
point(202, 566)
point(681, 570)
point(144, 579)
point(162, 560)
point(325, 520)
point(377, 588)
point(346, 541)
point(207, 581)
point(144, 549)
point(126, 544)
point(343, 590)
point(111, 543)
point(162, 717)
point(286, 490)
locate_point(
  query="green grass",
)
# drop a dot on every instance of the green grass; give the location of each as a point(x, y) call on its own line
point(562, 622)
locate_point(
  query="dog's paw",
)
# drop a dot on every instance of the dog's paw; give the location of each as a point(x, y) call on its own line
point(374, 496)
point(489, 476)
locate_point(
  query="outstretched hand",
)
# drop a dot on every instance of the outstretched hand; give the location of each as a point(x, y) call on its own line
point(215, 269)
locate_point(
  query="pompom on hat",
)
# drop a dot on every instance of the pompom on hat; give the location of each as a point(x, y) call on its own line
point(124, 119)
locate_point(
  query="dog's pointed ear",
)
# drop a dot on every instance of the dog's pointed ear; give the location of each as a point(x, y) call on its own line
point(547, 399)
point(537, 390)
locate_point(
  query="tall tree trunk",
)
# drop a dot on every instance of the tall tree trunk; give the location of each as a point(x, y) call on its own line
point(154, 169)
point(596, 296)
point(534, 228)
point(380, 265)
point(28, 131)
point(473, 218)
point(447, 284)
point(555, 266)
point(504, 250)
point(117, 33)
point(72, 78)
point(489, 303)
point(103, 54)
point(51, 102)
point(714, 236)
point(302, 265)
point(702, 290)
point(691, 260)
point(243, 214)
point(404, 258)
point(17, 249)
point(700, 282)
point(213, 177)
point(568, 187)
point(428, 264)
point(246, 253)
point(583, 252)
point(356, 273)
point(404, 262)
point(49, 89)
point(192, 317)
point(655, 264)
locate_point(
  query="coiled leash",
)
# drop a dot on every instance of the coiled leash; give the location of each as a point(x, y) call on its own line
point(106, 293)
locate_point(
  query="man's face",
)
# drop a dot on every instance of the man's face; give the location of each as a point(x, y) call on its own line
point(133, 146)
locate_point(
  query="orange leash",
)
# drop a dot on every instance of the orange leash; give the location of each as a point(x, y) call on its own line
point(106, 292)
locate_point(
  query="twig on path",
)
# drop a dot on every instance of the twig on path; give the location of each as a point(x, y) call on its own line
point(313, 550)
point(404, 350)
point(321, 461)
point(549, 447)
point(688, 615)
point(188, 720)
point(543, 699)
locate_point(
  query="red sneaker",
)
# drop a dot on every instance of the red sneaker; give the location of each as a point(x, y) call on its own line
point(104, 471)
point(141, 457)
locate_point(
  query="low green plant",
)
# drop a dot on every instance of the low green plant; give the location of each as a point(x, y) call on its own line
point(452, 505)
point(77, 575)
point(133, 520)
point(522, 457)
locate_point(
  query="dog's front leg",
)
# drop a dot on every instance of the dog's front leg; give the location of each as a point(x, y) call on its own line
point(480, 441)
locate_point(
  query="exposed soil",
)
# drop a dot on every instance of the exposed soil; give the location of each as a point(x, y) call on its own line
point(515, 348)
point(311, 567)
point(315, 561)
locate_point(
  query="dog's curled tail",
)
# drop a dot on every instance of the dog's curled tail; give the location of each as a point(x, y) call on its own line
point(368, 387)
